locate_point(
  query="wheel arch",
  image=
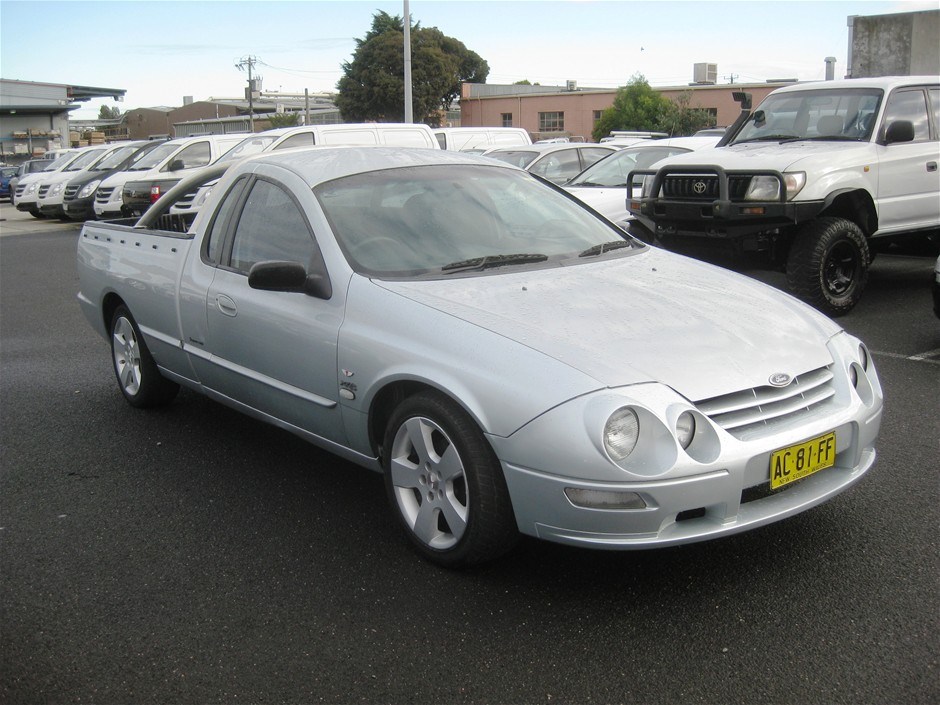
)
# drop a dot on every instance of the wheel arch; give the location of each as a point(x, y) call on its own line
point(855, 205)
point(109, 305)
point(387, 399)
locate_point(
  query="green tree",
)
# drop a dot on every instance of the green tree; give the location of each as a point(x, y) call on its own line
point(372, 87)
point(682, 120)
point(106, 113)
point(283, 119)
point(636, 107)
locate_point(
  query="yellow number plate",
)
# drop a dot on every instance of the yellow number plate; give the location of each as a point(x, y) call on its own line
point(796, 462)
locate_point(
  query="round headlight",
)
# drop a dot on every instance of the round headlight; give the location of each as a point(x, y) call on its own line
point(621, 433)
point(685, 429)
point(56, 190)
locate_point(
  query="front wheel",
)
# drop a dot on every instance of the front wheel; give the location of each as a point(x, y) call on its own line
point(828, 264)
point(138, 377)
point(445, 483)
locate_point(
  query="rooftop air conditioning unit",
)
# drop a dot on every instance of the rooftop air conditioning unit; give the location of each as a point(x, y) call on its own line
point(705, 73)
point(571, 86)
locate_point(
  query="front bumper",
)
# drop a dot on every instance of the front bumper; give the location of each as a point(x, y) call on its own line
point(79, 208)
point(712, 489)
point(708, 202)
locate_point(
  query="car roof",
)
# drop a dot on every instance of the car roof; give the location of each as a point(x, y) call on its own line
point(883, 82)
point(550, 147)
point(316, 165)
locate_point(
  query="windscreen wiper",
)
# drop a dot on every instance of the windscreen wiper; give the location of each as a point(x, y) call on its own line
point(488, 261)
point(605, 247)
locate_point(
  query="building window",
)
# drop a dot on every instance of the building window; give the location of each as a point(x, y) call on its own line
point(552, 122)
point(597, 116)
point(507, 119)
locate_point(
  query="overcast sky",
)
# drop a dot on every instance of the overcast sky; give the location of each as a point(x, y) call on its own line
point(161, 51)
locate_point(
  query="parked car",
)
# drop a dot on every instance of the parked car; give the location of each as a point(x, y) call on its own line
point(512, 361)
point(809, 181)
point(625, 138)
point(6, 174)
point(28, 167)
point(557, 162)
point(78, 197)
point(603, 186)
point(50, 194)
point(152, 176)
point(388, 134)
point(480, 139)
point(26, 196)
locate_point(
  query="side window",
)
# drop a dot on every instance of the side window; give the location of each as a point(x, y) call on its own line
point(558, 165)
point(195, 155)
point(304, 139)
point(589, 155)
point(909, 105)
point(271, 227)
point(216, 232)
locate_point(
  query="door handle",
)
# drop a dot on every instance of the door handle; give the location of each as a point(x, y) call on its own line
point(226, 305)
point(931, 166)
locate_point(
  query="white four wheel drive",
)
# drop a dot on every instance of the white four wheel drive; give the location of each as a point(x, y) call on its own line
point(811, 180)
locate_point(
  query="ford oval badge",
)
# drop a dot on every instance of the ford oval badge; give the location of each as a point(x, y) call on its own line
point(780, 379)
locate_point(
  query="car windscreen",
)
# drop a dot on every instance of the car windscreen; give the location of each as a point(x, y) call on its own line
point(8, 171)
point(248, 146)
point(155, 157)
point(837, 114)
point(55, 164)
point(439, 221)
point(85, 160)
point(115, 159)
point(611, 172)
point(516, 157)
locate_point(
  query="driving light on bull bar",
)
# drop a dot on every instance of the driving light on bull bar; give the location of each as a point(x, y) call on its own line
point(621, 433)
point(604, 499)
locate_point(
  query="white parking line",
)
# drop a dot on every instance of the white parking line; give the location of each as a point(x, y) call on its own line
point(923, 357)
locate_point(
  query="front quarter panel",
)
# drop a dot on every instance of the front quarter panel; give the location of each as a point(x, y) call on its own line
point(388, 338)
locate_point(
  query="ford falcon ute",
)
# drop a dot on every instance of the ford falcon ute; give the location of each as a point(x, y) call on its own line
point(512, 362)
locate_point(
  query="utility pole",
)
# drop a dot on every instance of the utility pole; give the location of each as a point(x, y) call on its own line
point(731, 78)
point(250, 62)
point(409, 107)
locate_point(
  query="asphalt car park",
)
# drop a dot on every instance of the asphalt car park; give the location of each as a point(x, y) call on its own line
point(194, 555)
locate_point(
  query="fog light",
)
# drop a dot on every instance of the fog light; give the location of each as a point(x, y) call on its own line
point(754, 210)
point(604, 499)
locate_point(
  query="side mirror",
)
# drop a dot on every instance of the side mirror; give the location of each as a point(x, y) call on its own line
point(899, 131)
point(176, 165)
point(288, 276)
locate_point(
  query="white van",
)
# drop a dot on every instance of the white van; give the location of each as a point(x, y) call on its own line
point(383, 134)
point(51, 190)
point(159, 169)
point(26, 197)
point(479, 139)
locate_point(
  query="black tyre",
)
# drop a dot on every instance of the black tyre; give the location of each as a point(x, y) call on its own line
point(828, 264)
point(138, 377)
point(445, 483)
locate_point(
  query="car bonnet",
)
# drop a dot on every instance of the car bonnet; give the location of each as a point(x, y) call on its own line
point(650, 316)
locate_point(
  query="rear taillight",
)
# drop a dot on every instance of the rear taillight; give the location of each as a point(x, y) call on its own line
point(154, 193)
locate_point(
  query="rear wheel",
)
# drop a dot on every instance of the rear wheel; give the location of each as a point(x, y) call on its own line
point(828, 264)
point(138, 377)
point(445, 483)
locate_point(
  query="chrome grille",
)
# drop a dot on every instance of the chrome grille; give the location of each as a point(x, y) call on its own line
point(20, 190)
point(70, 192)
point(43, 190)
point(703, 187)
point(746, 413)
point(103, 195)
